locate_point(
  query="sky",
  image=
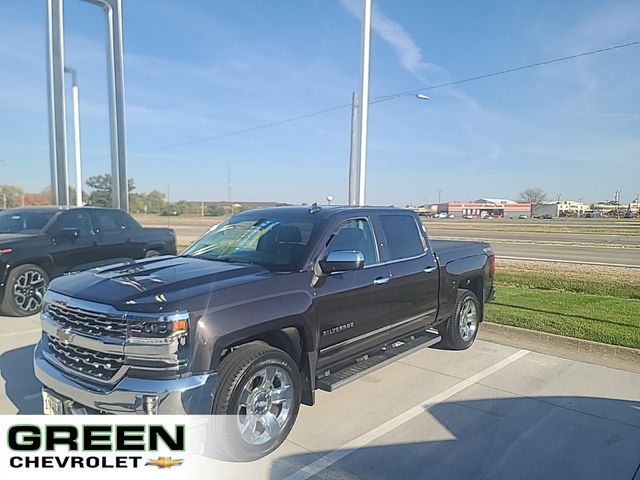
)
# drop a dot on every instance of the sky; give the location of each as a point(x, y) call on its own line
point(197, 69)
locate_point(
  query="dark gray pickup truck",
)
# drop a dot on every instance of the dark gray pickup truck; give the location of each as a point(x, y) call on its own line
point(256, 315)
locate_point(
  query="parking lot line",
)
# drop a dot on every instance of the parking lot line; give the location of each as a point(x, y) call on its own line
point(348, 448)
point(4, 335)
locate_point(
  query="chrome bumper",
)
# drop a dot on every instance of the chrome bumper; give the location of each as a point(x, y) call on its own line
point(183, 396)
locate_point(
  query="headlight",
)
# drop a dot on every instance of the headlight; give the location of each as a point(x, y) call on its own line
point(160, 329)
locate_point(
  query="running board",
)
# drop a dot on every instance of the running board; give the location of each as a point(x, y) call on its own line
point(376, 361)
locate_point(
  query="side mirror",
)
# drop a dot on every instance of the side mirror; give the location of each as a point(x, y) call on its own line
point(342, 261)
point(69, 234)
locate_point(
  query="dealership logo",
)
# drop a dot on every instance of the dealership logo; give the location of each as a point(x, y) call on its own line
point(53, 446)
point(164, 462)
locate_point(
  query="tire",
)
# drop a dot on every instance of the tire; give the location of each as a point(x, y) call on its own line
point(151, 253)
point(24, 290)
point(251, 375)
point(459, 332)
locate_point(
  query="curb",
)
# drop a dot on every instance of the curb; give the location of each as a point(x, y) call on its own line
point(587, 351)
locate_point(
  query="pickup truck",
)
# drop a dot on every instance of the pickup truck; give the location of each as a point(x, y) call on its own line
point(40, 243)
point(256, 315)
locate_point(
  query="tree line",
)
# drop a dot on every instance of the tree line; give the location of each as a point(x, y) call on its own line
point(99, 195)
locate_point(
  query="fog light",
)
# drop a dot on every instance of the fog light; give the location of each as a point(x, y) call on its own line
point(150, 405)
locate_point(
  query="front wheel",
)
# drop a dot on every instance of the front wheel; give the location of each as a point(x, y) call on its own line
point(256, 402)
point(460, 331)
point(24, 291)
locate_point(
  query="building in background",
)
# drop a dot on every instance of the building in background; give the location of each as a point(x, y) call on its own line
point(486, 207)
point(566, 208)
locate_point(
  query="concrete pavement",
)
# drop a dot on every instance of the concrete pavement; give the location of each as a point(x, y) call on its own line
point(489, 412)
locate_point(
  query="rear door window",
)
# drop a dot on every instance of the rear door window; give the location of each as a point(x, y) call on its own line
point(403, 237)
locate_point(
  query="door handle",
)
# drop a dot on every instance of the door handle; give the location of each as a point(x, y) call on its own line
point(429, 269)
point(381, 280)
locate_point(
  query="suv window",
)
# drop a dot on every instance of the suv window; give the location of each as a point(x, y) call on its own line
point(357, 235)
point(106, 221)
point(75, 219)
point(403, 236)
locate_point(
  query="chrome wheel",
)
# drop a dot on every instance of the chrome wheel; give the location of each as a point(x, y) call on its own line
point(28, 290)
point(265, 405)
point(468, 319)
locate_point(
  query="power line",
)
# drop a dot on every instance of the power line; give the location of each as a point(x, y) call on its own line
point(504, 72)
point(386, 98)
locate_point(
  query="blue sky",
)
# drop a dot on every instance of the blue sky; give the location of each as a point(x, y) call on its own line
point(197, 69)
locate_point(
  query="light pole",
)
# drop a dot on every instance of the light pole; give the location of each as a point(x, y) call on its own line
point(75, 106)
point(353, 154)
point(364, 98)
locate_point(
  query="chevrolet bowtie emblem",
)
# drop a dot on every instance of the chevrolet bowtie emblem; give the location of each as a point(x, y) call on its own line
point(64, 335)
point(164, 462)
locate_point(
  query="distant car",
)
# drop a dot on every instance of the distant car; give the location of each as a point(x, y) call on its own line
point(546, 216)
point(451, 215)
point(523, 216)
point(441, 215)
point(629, 215)
point(40, 243)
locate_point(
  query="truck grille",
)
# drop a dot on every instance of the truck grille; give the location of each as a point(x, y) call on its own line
point(91, 324)
point(102, 366)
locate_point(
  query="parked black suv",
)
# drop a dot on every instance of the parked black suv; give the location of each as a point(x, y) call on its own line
point(39, 243)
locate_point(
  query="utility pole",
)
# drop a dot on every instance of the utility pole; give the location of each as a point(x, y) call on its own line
point(439, 196)
point(353, 154)
point(364, 99)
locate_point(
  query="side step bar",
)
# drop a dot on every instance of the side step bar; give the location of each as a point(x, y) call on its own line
point(376, 361)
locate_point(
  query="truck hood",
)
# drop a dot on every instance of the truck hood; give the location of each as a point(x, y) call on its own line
point(157, 284)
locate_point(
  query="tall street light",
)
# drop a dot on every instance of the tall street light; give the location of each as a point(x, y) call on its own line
point(353, 153)
point(75, 105)
point(364, 98)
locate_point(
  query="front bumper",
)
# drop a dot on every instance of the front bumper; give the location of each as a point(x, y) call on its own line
point(182, 396)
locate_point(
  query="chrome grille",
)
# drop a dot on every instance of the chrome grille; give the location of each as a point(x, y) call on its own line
point(102, 366)
point(91, 324)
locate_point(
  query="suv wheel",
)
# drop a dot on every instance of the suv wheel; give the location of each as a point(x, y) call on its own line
point(459, 332)
point(24, 291)
point(256, 402)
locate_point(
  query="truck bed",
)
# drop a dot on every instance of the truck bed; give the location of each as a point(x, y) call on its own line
point(449, 250)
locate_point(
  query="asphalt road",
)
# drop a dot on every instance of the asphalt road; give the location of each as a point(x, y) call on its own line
point(489, 412)
point(537, 237)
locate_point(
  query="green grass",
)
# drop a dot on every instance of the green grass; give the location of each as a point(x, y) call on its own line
point(600, 318)
point(569, 283)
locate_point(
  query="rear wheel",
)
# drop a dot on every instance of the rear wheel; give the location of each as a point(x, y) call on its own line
point(460, 331)
point(25, 289)
point(256, 402)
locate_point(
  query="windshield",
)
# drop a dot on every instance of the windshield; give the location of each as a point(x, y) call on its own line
point(276, 244)
point(24, 221)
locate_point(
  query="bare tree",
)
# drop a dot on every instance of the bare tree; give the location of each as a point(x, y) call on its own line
point(535, 196)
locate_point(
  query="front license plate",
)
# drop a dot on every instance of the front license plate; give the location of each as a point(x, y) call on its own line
point(51, 405)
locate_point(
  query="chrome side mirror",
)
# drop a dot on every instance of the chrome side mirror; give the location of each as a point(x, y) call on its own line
point(342, 261)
